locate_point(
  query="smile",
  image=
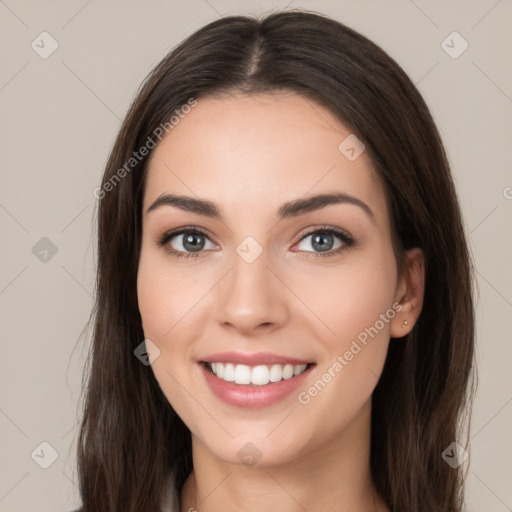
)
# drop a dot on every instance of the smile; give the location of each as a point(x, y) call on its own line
point(260, 375)
point(254, 385)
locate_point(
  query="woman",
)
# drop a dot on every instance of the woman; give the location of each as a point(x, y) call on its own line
point(284, 312)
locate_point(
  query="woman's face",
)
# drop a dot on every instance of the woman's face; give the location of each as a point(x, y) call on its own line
point(264, 291)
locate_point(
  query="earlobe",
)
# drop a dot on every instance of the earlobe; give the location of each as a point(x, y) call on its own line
point(410, 296)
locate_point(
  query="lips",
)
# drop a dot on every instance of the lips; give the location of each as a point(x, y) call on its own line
point(261, 358)
point(253, 380)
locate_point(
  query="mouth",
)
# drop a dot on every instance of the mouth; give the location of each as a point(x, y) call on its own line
point(253, 380)
point(255, 376)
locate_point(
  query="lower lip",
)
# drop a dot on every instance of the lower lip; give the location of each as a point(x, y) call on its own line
point(252, 397)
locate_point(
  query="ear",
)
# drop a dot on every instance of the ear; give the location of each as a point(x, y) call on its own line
point(410, 291)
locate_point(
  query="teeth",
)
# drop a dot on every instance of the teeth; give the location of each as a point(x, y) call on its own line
point(260, 375)
point(297, 370)
point(276, 373)
point(256, 375)
point(242, 374)
point(229, 371)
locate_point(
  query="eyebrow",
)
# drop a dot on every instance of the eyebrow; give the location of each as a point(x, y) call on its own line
point(287, 210)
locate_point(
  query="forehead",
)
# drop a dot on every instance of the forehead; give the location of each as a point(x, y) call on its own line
point(247, 152)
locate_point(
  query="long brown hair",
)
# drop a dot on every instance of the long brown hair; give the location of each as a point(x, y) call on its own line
point(132, 445)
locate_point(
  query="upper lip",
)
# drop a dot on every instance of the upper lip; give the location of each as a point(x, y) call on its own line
point(258, 358)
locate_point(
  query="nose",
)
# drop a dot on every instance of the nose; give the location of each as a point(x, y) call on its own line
point(251, 299)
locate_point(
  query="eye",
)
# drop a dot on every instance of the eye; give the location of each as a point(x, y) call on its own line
point(179, 242)
point(322, 240)
point(189, 242)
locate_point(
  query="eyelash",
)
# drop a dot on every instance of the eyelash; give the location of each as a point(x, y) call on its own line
point(341, 234)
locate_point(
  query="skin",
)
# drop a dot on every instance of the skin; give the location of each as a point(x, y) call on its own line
point(250, 154)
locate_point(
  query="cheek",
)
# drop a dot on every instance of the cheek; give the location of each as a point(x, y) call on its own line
point(166, 303)
point(351, 296)
point(354, 303)
point(163, 301)
point(166, 296)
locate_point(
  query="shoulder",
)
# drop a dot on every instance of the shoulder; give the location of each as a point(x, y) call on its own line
point(171, 501)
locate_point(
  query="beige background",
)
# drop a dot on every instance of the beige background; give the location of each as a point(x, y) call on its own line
point(59, 118)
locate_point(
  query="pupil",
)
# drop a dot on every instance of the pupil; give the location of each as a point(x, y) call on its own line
point(190, 242)
point(321, 239)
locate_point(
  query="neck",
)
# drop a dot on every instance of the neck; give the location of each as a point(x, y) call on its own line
point(334, 476)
